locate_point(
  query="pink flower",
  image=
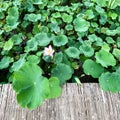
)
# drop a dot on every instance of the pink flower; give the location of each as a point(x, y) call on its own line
point(48, 51)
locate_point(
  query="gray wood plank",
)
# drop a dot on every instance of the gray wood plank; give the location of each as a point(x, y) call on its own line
point(86, 102)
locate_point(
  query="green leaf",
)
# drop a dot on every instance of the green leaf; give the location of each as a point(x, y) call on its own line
point(8, 45)
point(33, 17)
point(33, 59)
point(42, 39)
point(90, 14)
point(55, 89)
point(5, 61)
point(58, 57)
point(63, 72)
point(92, 68)
point(18, 64)
point(72, 52)
point(60, 40)
point(116, 53)
point(37, 2)
point(113, 3)
point(105, 58)
point(69, 27)
point(31, 45)
point(31, 87)
point(81, 25)
point(105, 47)
point(67, 18)
point(87, 50)
point(109, 40)
point(102, 3)
point(17, 38)
point(13, 15)
point(110, 81)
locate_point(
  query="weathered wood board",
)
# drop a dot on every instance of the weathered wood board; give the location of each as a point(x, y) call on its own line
point(86, 102)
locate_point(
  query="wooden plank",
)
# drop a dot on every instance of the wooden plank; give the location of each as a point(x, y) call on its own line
point(86, 102)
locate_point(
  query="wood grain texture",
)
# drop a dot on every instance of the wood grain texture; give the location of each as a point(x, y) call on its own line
point(86, 102)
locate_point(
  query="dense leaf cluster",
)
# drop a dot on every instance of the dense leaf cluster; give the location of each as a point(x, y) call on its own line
point(83, 37)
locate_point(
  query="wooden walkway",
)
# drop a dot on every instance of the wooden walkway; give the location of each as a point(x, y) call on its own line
point(86, 102)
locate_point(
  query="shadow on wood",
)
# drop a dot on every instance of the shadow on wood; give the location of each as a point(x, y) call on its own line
point(86, 102)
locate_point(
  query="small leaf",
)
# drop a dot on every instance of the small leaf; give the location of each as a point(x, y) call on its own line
point(5, 61)
point(31, 45)
point(116, 53)
point(72, 52)
point(8, 45)
point(58, 57)
point(105, 58)
point(87, 50)
point(92, 68)
point(42, 39)
point(102, 3)
point(37, 2)
point(60, 40)
point(33, 17)
point(63, 72)
point(67, 18)
point(81, 25)
point(18, 64)
point(13, 15)
point(110, 81)
point(55, 89)
point(33, 59)
point(90, 14)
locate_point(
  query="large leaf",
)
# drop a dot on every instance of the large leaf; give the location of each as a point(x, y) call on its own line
point(81, 25)
point(63, 72)
point(105, 58)
point(92, 68)
point(31, 88)
point(110, 81)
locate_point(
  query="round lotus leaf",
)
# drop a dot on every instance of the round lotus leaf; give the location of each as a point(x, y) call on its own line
point(92, 68)
point(105, 58)
point(81, 25)
point(72, 52)
point(60, 40)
